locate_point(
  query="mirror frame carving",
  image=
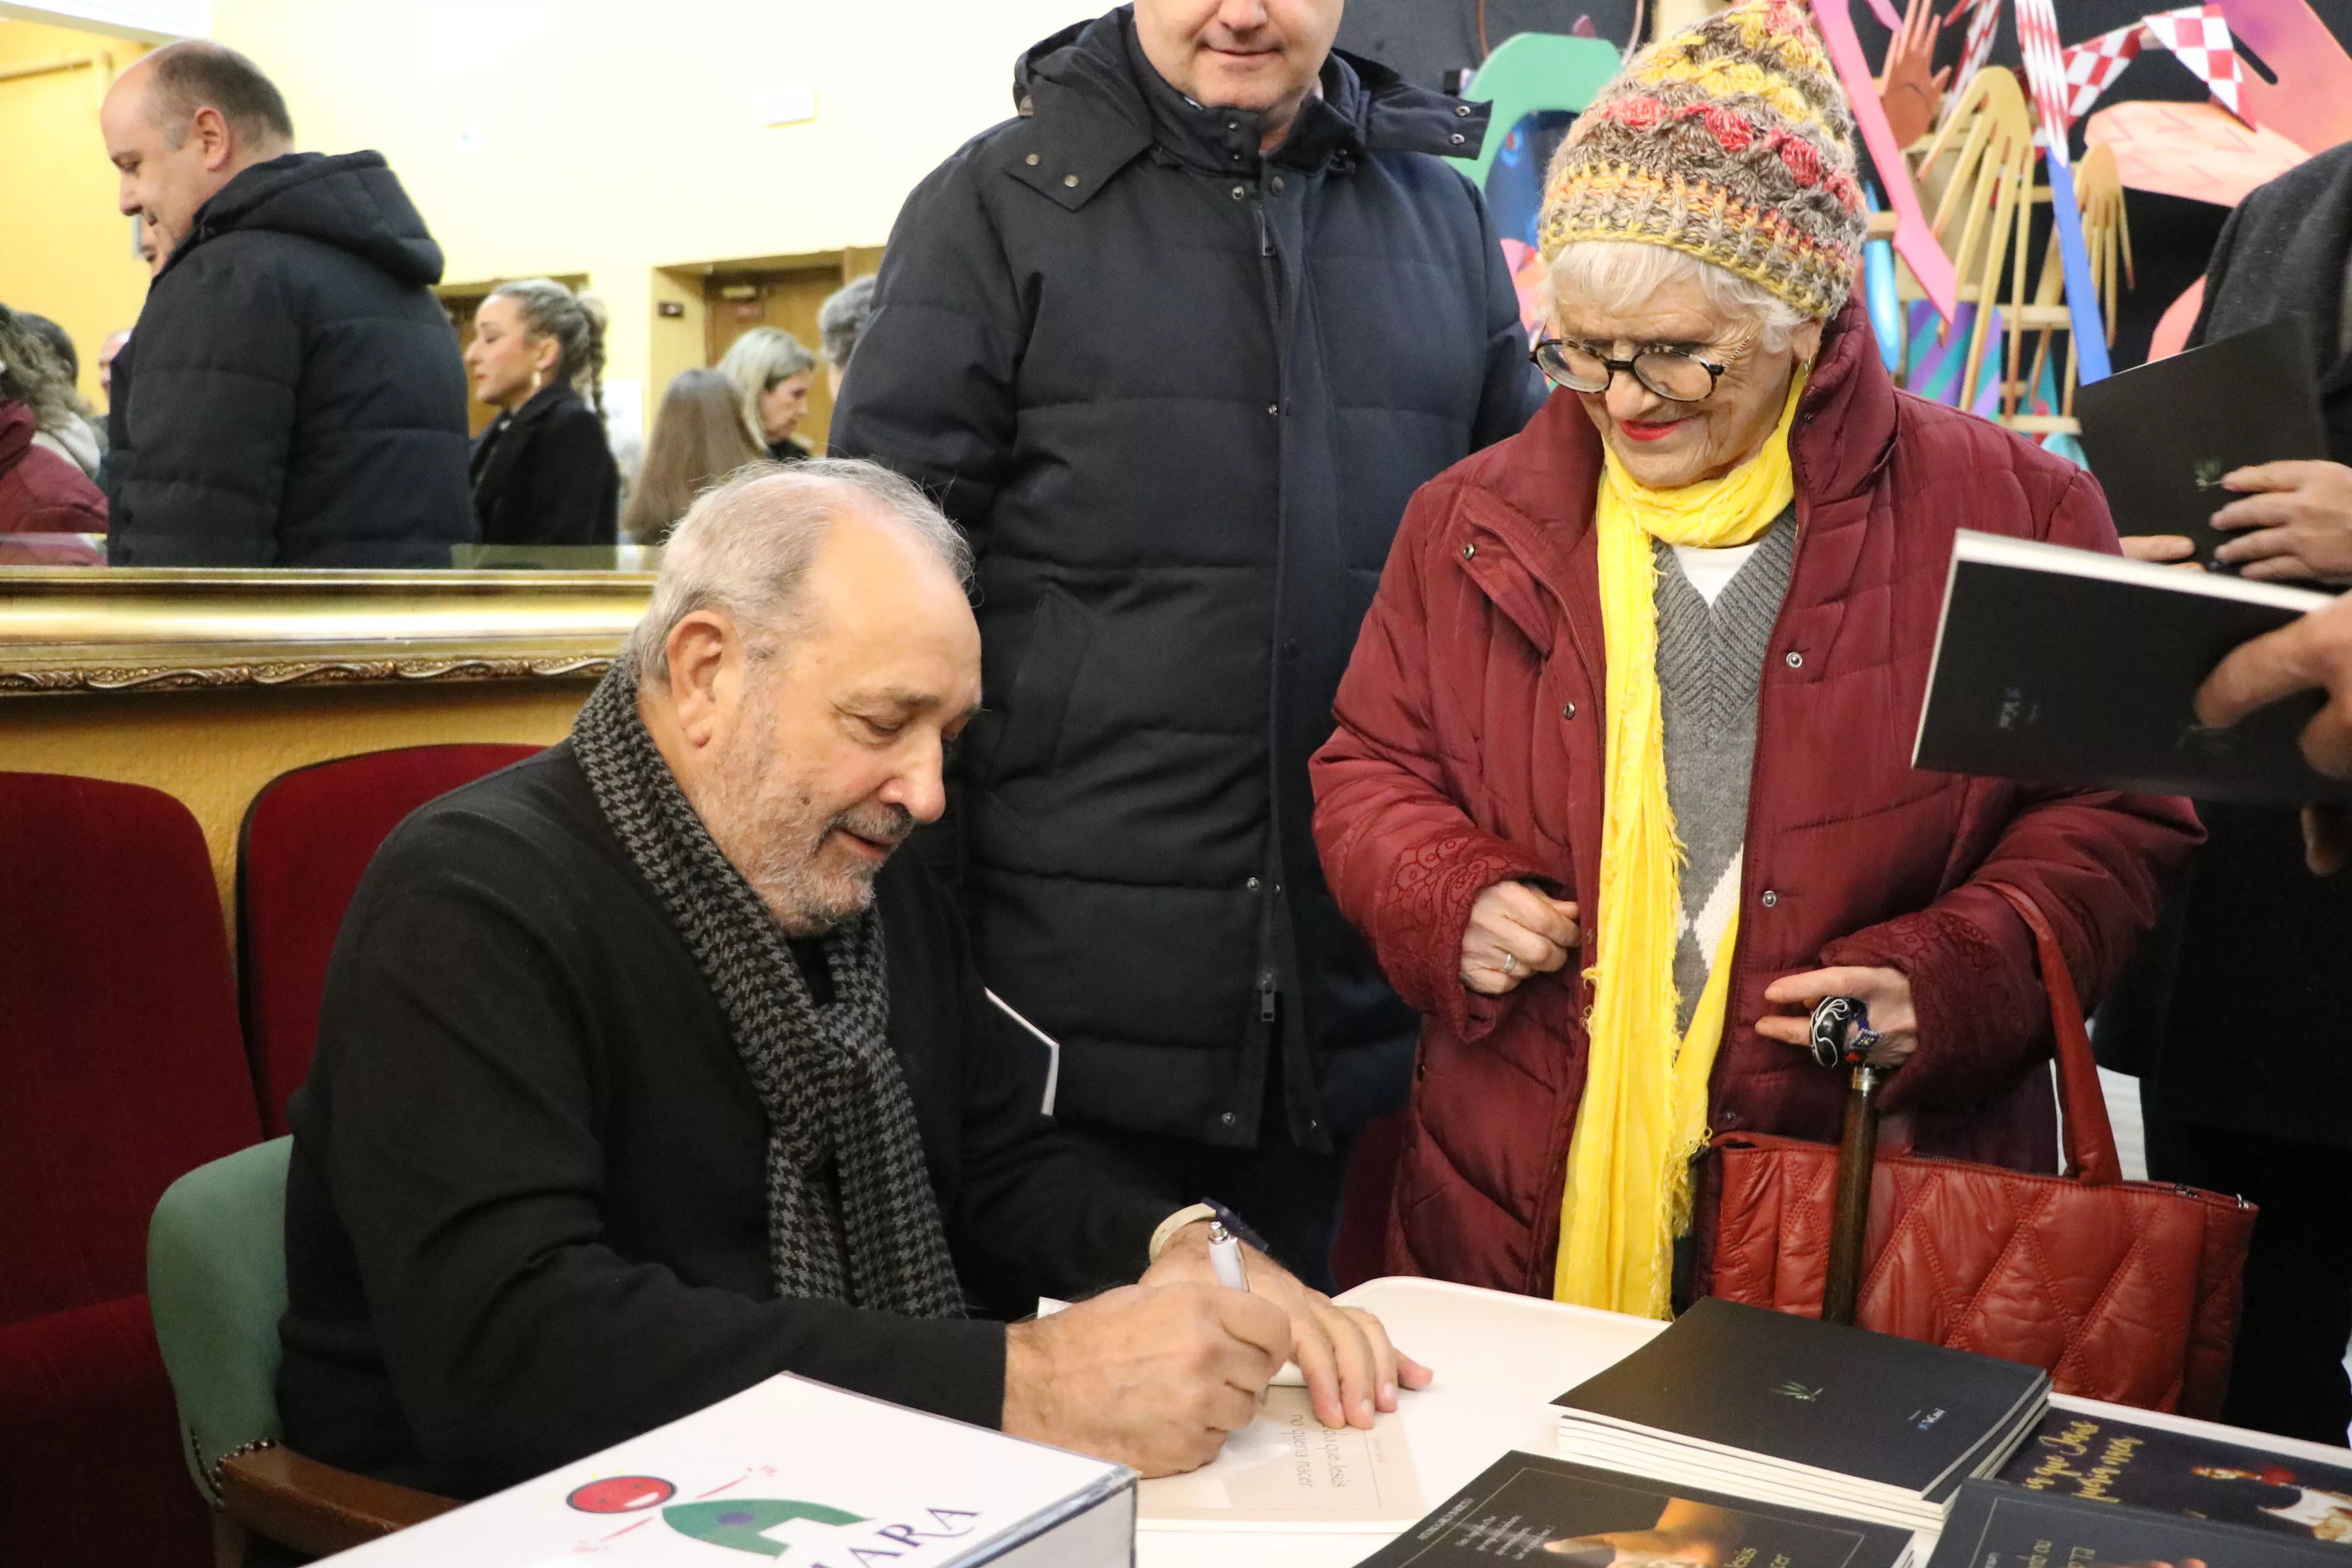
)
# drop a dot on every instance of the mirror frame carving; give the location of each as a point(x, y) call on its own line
point(155, 629)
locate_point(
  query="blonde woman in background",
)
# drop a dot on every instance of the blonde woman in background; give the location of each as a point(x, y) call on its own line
point(771, 371)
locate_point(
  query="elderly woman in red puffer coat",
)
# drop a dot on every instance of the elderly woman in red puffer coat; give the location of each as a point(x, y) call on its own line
point(1621, 786)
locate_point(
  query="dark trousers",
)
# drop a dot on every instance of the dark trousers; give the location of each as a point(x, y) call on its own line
point(2288, 1376)
point(1289, 1195)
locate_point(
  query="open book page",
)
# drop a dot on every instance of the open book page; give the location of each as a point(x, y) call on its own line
point(1287, 1468)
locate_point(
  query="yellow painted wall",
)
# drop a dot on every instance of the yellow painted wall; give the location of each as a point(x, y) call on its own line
point(611, 138)
point(65, 252)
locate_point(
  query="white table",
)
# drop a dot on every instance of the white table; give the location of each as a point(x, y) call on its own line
point(1500, 1360)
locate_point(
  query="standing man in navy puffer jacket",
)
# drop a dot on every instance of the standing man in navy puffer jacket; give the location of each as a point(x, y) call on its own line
point(1175, 346)
point(292, 395)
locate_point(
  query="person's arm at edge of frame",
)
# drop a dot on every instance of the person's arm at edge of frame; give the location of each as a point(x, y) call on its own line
point(2097, 864)
point(2314, 651)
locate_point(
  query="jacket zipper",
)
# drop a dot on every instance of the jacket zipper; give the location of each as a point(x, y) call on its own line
point(1268, 982)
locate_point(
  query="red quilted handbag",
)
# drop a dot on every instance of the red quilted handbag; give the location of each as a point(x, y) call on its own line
point(2122, 1291)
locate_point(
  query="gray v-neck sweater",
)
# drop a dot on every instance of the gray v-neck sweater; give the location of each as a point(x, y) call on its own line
point(1710, 661)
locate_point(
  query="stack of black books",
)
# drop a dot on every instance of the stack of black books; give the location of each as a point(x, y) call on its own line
point(1804, 1415)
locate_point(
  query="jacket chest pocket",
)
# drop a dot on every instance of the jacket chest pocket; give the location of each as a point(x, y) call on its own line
point(1037, 703)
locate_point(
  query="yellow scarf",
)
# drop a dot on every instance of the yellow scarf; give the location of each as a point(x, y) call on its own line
point(1643, 1118)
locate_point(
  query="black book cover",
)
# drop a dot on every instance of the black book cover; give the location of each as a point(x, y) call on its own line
point(1998, 1526)
point(1549, 1513)
point(2160, 437)
point(1894, 1411)
point(2102, 1460)
point(2068, 667)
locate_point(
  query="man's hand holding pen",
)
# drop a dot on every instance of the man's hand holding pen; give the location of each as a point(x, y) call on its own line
point(1352, 1370)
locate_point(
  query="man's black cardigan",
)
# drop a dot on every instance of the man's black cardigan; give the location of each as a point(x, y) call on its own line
point(526, 1215)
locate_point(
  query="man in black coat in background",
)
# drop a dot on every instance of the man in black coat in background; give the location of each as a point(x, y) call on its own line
point(2237, 1015)
point(292, 395)
point(1175, 346)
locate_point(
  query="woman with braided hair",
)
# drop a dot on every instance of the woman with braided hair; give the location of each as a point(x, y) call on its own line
point(542, 470)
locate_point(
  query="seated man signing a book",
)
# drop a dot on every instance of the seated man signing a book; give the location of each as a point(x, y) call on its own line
point(647, 1071)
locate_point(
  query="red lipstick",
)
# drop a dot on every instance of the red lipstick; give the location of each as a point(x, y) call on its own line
point(1635, 430)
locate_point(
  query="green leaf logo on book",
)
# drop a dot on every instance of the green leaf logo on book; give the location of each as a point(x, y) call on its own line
point(1798, 1391)
point(741, 1523)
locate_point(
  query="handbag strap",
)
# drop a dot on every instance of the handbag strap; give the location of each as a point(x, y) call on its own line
point(2090, 1139)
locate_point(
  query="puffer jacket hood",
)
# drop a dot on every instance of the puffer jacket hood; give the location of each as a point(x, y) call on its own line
point(352, 201)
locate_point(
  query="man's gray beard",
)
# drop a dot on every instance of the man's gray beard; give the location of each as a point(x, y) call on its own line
point(767, 823)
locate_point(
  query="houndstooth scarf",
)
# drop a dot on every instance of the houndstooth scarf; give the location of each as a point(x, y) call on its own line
point(840, 1120)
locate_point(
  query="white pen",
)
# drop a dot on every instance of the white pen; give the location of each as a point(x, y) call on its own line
point(1225, 1256)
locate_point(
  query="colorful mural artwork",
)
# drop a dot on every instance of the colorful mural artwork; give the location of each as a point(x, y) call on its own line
point(1926, 273)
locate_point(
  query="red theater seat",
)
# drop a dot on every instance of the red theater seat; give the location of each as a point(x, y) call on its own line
point(119, 1072)
point(306, 838)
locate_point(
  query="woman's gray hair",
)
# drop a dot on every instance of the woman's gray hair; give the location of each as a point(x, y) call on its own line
point(757, 361)
point(31, 372)
point(842, 316)
point(745, 547)
point(576, 322)
point(1618, 277)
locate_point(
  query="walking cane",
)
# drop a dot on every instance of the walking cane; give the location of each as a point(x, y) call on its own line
point(1843, 1037)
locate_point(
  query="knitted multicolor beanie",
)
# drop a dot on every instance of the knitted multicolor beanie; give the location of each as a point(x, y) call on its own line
point(1730, 141)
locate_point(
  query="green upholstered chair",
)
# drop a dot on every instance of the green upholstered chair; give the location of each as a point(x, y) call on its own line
point(216, 1282)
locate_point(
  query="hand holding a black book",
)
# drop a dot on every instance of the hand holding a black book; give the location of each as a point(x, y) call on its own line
point(2315, 650)
point(2294, 523)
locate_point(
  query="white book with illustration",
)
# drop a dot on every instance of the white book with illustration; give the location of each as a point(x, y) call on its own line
point(792, 1466)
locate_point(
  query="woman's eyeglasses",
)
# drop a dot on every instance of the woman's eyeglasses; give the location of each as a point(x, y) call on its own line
point(1671, 373)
